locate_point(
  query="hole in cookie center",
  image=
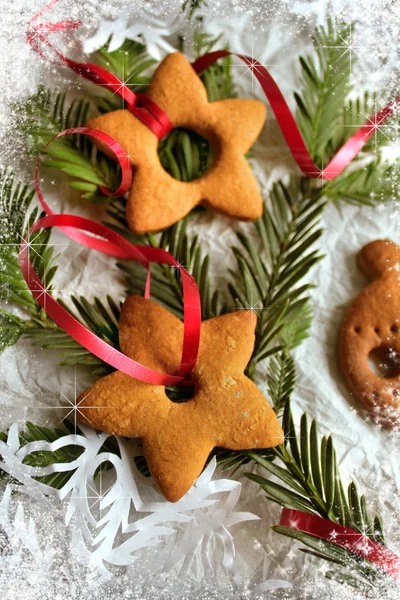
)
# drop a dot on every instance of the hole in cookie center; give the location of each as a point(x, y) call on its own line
point(384, 362)
point(180, 394)
point(185, 154)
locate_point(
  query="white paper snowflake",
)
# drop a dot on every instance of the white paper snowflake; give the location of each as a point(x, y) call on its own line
point(120, 512)
point(145, 28)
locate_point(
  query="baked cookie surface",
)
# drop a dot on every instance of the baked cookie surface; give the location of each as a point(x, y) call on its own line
point(226, 410)
point(372, 324)
point(156, 199)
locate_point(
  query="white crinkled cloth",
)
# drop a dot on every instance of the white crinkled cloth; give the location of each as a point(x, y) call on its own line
point(33, 387)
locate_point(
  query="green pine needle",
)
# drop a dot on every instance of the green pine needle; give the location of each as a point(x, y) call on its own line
point(325, 82)
point(166, 288)
point(271, 273)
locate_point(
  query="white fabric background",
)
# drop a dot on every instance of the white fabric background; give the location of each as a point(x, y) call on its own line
point(31, 383)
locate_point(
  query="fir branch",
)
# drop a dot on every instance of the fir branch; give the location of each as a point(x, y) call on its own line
point(16, 217)
point(166, 287)
point(44, 115)
point(325, 83)
point(367, 185)
point(310, 481)
point(327, 118)
point(352, 569)
point(281, 379)
point(102, 319)
point(271, 274)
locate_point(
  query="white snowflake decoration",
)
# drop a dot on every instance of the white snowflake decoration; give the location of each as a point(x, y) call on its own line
point(97, 517)
point(146, 29)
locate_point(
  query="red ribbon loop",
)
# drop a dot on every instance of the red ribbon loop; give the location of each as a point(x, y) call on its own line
point(345, 537)
point(118, 246)
point(289, 127)
point(113, 244)
point(126, 180)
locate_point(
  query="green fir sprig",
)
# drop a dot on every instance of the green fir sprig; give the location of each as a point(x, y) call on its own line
point(325, 84)
point(46, 114)
point(310, 481)
point(272, 273)
point(16, 217)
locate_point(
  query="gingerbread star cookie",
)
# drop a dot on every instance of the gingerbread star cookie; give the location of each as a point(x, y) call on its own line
point(372, 324)
point(226, 410)
point(156, 199)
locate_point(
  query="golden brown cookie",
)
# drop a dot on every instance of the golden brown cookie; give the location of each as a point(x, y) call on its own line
point(156, 199)
point(372, 324)
point(227, 409)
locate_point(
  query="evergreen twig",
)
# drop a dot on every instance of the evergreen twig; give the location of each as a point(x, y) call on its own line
point(270, 279)
point(309, 481)
point(325, 83)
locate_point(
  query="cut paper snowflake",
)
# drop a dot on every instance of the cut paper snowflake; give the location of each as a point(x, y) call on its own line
point(146, 29)
point(38, 561)
point(120, 512)
point(37, 564)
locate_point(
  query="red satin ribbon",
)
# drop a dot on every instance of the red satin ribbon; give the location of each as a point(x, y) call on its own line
point(347, 538)
point(113, 244)
point(289, 127)
point(126, 180)
point(140, 105)
point(118, 246)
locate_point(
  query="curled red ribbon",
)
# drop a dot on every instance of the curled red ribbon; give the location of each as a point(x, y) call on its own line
point(289, 127)
point(347, 538)
point(118, 246)
point(126, 180)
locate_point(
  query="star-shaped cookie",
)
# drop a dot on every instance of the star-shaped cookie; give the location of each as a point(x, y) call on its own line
point(226, 410)
point(156, 199)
